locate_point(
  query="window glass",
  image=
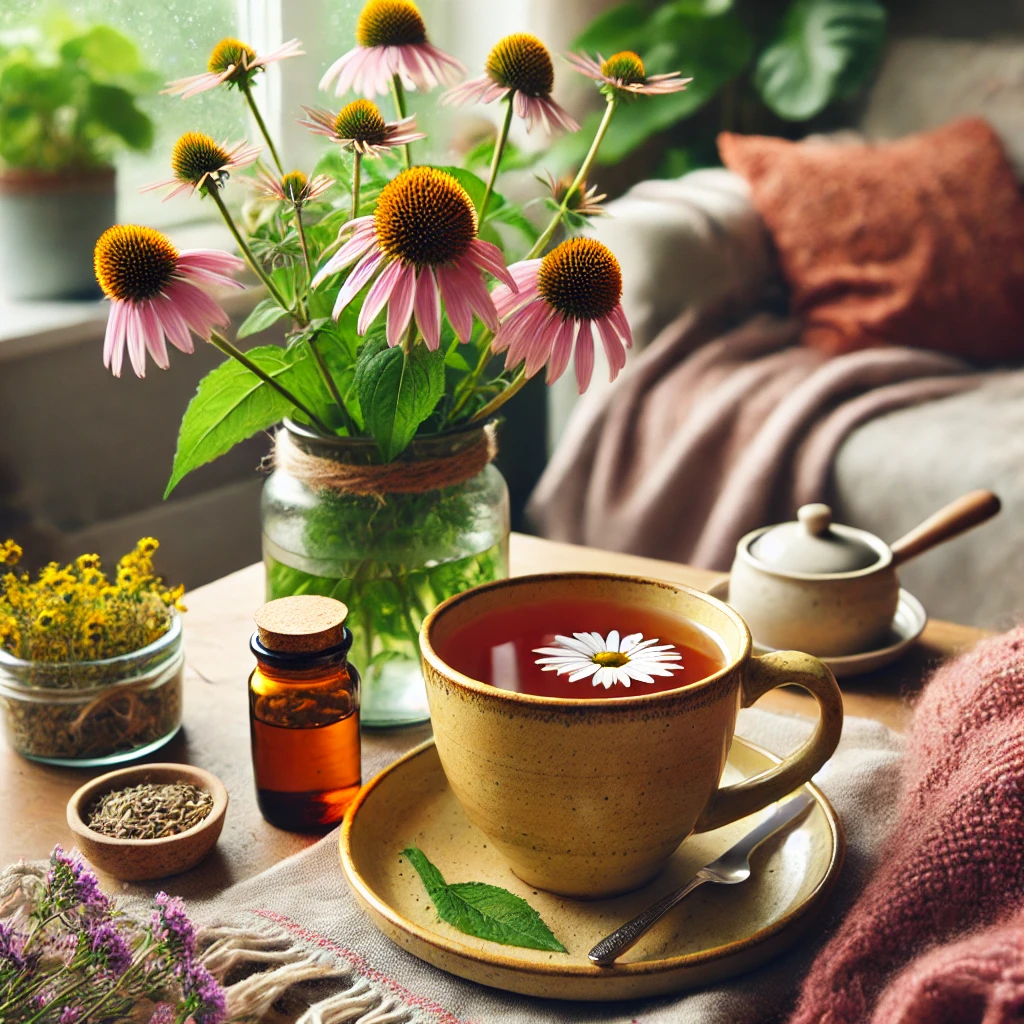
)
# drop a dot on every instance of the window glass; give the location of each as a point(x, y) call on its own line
point(175, 38)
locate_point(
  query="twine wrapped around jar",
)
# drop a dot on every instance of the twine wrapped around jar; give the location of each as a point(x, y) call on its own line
point(410, 476)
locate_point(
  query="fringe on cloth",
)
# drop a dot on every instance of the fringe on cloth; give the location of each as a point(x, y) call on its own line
point(281, 974)
point(267, 973)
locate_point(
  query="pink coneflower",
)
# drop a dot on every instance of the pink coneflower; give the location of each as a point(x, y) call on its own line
point(361, 127)
point(234, 62)
point(624, 72)
point(423, 239)
point(157, 292)
point(573, 291)
point(293, 187)
point(584, 202)
point(392, 40)
point(201, 163)
point(519, 65)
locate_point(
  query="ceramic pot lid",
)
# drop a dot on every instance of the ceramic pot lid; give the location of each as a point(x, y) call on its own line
point(813, 545)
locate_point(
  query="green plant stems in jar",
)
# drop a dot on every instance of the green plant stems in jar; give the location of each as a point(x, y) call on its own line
point(391, 558)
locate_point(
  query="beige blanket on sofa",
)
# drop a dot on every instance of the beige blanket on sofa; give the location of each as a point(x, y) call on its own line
point(718, 428)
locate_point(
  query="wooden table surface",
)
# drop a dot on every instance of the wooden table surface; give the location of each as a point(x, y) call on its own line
point(216, 733)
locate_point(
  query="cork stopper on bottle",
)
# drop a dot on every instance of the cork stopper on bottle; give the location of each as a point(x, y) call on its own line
point(303, 624)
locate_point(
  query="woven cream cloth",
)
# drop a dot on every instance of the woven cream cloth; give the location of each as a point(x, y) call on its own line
point(319, 956)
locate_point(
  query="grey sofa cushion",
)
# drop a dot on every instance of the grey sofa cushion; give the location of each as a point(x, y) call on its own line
point(896, 470)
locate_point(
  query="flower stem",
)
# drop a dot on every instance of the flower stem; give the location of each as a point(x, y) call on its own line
point(466, 386)
point(356, 169)
point(581, 176)
point(250, 99)
point(398, 94)
point(332, 387)
point(302, 241)
point(502, 397)
point(219, 341)
point(499, 148)
point(257, 269)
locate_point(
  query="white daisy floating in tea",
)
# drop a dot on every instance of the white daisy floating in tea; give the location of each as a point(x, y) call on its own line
point(609, 660)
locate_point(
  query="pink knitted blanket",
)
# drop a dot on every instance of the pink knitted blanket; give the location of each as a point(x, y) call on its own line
point(938, 934)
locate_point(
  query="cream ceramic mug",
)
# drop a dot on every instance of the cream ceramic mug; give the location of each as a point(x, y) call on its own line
point(589, 798)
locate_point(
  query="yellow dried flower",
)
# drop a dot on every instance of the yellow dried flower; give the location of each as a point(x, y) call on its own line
point(75, 612)
point(10, 553)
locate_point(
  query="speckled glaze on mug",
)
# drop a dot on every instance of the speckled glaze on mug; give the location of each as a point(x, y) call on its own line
point(589, 798)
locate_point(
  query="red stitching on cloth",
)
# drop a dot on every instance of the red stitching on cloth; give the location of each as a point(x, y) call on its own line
point(362, 966)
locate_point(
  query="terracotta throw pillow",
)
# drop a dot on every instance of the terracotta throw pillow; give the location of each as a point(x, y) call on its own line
point(918, 242)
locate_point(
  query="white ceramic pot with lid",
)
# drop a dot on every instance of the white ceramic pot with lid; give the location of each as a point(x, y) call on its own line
point(832, 590)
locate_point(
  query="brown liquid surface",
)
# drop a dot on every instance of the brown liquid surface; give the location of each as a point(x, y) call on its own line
point(498, 648)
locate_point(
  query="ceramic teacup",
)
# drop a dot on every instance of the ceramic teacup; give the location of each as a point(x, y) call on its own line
point(589, 798)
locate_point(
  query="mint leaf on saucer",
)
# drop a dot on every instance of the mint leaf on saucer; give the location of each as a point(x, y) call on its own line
point(486, 911)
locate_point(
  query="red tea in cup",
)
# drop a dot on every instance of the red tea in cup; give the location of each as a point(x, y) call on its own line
point(584, 650)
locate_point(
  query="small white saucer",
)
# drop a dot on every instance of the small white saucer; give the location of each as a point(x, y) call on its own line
point(907, 625)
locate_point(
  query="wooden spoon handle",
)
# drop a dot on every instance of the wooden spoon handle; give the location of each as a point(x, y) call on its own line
point(956, 518)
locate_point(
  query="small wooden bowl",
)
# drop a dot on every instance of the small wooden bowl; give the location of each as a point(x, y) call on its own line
point(137, 860)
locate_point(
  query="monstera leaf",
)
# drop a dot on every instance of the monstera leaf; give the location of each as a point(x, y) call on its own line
point(824, 49)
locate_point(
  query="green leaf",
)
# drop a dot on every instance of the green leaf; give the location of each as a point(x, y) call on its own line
point(114, 108)
point(619, 28)
point(397, 392)
point(232, 403)
point(266, 313)
point(486, 911)
point(824, 49)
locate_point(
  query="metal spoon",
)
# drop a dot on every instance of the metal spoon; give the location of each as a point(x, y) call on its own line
point(732, 867)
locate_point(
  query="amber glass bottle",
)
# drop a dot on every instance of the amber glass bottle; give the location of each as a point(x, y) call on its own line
point(304, 713)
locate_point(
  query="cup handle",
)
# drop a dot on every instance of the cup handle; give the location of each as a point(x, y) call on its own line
point(761, 675)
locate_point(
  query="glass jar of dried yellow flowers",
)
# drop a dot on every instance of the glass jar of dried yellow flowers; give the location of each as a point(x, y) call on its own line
point(90, 667)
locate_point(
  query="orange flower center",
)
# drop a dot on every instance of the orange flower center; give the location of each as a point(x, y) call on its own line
point(390, 23)
point(133, 263)
point(522, 62)
point(626, 66)
point(228, 53)
point(581, 279)
point(425, 217)
point(195, 156)
point(361, 121)
point(295, 185)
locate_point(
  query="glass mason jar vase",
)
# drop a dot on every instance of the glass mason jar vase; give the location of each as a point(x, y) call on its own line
point(84, 714)
point(390, 557)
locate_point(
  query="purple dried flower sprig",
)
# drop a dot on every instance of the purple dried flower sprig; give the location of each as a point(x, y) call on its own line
point(73, 958)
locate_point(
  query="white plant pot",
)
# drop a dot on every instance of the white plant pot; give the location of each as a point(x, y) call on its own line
point(49, 224)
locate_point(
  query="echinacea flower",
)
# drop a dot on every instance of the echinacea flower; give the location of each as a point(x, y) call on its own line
point(361, 128)
point(157, 293)
point(624, 73)
point(294, 187)
point(200, 163)
point(423, 240)
point(392, 40)
point(568, 295)
point(584, 202)
point(233, 62)
point(609, 660)
point(520, 65)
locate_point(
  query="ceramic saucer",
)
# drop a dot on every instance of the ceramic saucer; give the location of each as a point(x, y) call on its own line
point(907, 625)
point(718, 931)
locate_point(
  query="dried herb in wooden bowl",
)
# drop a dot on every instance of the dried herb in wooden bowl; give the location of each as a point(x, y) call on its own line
point(150, 810)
